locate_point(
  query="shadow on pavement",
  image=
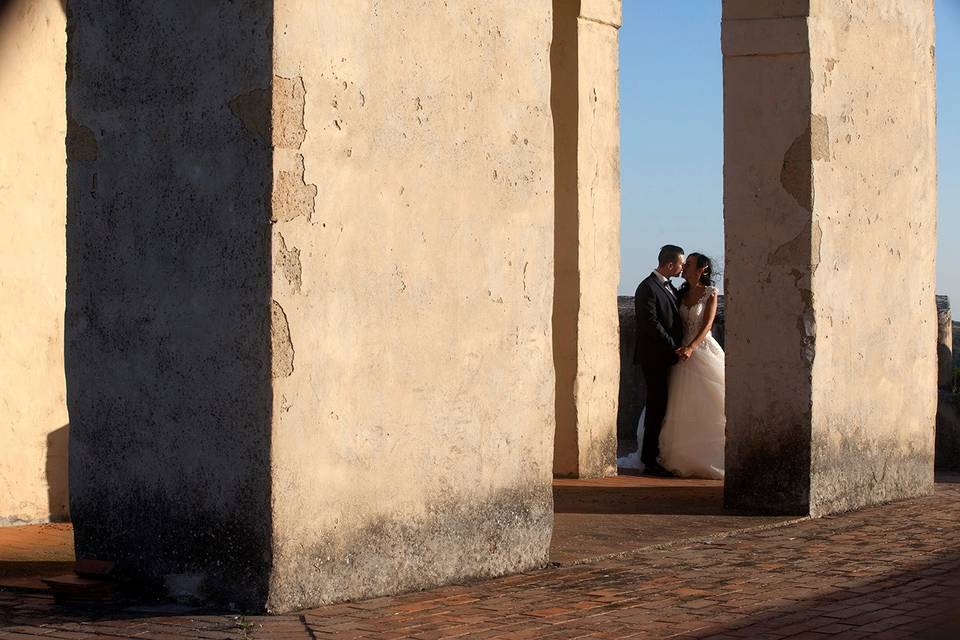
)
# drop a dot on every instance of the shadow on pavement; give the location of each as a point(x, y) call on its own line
point(922, 603)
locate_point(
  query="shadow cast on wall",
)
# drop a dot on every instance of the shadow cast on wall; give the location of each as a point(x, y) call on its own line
point(58, 474)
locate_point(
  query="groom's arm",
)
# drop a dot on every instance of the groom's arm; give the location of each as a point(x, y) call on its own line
point(648, 322)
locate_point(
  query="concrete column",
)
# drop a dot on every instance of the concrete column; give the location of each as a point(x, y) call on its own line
point(309, 293)
point(585, 102)
point(830, 199)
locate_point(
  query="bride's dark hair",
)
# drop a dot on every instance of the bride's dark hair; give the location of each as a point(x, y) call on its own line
point(706, 278)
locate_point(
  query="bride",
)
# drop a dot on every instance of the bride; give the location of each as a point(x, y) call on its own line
point(692, 438)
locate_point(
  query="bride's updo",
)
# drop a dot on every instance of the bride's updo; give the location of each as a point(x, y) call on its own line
point(706, 278)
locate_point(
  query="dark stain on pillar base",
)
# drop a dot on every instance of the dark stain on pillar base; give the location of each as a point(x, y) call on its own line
point(454, 539)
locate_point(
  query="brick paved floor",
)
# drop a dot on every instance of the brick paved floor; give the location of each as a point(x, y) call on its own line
point(884, 572)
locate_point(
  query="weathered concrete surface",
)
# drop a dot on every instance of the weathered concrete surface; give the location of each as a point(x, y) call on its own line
point(412, 431)
point(585, 101)
point(768, 373)
point(945, 338)
point(829, 175)
point(33, 462)
point(874, 188)
point(168, 293)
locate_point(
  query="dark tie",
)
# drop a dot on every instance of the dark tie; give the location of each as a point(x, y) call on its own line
point(666, 285)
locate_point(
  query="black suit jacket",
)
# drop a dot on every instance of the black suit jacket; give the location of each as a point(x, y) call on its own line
point(659, 329)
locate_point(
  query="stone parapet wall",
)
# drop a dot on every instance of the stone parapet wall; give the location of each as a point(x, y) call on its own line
point(948, 431)
point(946, 340)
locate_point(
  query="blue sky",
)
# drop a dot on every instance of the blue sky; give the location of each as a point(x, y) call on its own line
point(671, 123)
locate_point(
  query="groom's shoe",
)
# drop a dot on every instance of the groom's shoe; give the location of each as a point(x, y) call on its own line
point(656, 470)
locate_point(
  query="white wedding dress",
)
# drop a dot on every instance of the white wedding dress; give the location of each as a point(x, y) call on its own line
point(692, 436)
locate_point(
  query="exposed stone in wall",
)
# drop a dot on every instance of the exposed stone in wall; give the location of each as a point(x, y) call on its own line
point(282, 347)
point(287, 261)
point(292, 196)
point(289, 102)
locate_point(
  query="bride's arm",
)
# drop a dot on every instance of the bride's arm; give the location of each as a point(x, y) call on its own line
point(709, 315)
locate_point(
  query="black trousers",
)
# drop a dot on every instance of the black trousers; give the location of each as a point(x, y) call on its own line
point(657, 378)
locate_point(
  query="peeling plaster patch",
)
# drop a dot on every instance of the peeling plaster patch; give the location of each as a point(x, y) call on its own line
point(807, 325)
point(253, 110)
point(288, 261)
point(292, 196)
point(794, 253)
point(289, 100)
point(819, 138)
point(796, 174)
point(816, 239)
point(281, 365)
point(81, 143)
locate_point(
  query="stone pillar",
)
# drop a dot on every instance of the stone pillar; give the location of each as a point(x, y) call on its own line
point(309, 293)
point(829, 205)
point(585, 102)
point(33, 421)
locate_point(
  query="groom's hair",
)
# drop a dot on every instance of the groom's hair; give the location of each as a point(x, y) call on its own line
point(669, 253)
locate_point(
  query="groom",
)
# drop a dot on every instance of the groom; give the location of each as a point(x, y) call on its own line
point(659, 335)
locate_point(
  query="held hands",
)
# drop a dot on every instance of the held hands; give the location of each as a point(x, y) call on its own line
point(684, 353)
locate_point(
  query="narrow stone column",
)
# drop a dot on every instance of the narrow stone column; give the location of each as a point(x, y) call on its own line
point(585, 101)
point(829, 205)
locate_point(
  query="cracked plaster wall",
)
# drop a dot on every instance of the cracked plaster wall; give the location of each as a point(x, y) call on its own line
point(33, 414)
point(413, 431)
point(875, 371)
point(829, 201)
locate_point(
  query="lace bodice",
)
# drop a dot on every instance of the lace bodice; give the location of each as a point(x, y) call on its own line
point(692, 318)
